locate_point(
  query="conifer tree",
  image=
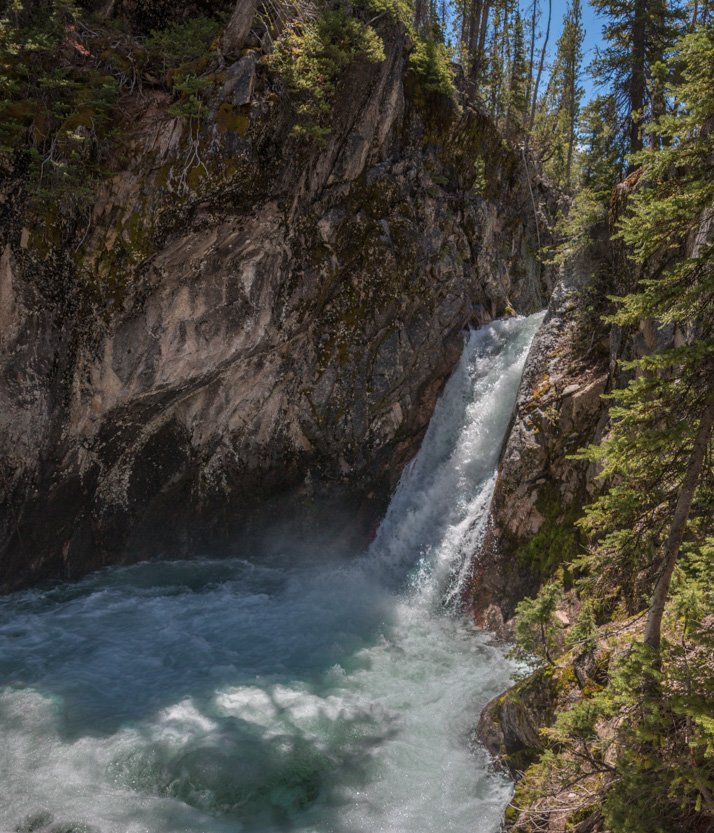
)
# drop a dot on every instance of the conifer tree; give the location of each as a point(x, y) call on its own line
point(662, 423)
point(494, 84)
point(556, 124)
point(569, 60)
point(533, 100)
point(638, 33)
point(517, 101)
point(532, 29)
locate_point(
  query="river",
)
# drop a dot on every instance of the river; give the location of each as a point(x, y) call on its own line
point(307, 692)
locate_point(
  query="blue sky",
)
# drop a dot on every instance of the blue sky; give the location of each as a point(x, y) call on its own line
point(593, 35)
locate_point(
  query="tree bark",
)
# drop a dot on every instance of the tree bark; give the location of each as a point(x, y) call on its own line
point(572, 114)
point(483, 29)
point(540, 72)
point(238, 28)
point(637, 77)
point(534, 19)
point(477, 38)
point(471, 46)
point(653, 629)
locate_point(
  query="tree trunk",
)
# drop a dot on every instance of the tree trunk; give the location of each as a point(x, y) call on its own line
point(481, 49)
point(637, 78)
point(695, 12)
point(653, 628)
point(474, 18)
point(238, 28)
point(466, 18)
point(477, 39)
point(572, 119)
point(540, 71)
point(534, 20)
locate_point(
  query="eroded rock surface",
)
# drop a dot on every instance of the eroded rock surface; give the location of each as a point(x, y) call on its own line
point(247, 316)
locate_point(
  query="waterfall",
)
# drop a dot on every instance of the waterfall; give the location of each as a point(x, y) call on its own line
point(301, 694)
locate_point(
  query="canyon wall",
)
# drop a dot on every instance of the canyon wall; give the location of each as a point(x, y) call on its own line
point(248, 324)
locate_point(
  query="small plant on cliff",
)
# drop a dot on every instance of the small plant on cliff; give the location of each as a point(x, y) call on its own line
point(583, 634)
point(398, 11)
point(56, 109)
point(430, 65)
point(184, 51)
point(536, 624)
point(183, 43)
point(311, 55)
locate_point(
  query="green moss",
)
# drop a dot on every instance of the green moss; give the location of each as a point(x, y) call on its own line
point(577, 817)
point(161, 177)
point(44, 229)
point(558, 541)
point(236, 120)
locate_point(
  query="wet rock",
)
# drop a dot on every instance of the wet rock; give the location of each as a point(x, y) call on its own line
point(541, 489)
point(509, 725)
point(40, 820)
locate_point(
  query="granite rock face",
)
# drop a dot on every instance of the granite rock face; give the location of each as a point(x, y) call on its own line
point(249, 326)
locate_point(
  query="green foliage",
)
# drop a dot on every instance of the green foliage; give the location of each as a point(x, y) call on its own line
point(310, 57)
point(643, 461)
point(660, 703)
point(517, 83)
point(583, 633)
point(656, 417)
point(600, 165)
point(665, 769)
point(183, 43)
point(479, 186)
point(430, 64)
point(191, 104)
point(56, 114)
point(536, 626)
point(647, 734)
point(184, 51)
point(398, 11)
point(602, 157)
point(638, 35)
point(558, 541)
point(555, 129)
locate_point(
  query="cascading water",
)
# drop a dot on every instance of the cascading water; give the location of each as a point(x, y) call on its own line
point(319, 696)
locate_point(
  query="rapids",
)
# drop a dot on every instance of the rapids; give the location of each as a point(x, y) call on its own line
point(305, 692)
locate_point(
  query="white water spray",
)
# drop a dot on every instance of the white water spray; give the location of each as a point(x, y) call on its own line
point(228, 696)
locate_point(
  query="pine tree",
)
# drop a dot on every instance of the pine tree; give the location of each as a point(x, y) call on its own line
point(556, 124)
point(602, 156)
point(639, 34)
point(533, 100)
point(662, 423)
point(494, 83)
point(570, 56)
point(517, 101)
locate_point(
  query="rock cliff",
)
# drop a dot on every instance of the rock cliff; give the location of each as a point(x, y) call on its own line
point(246, 319)
point(541, 492)
point(541, 489)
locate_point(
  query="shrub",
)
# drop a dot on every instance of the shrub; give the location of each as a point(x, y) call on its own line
point(311, 55)
point(430, 65)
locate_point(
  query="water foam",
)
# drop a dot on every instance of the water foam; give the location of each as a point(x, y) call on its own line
point(224, 695)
